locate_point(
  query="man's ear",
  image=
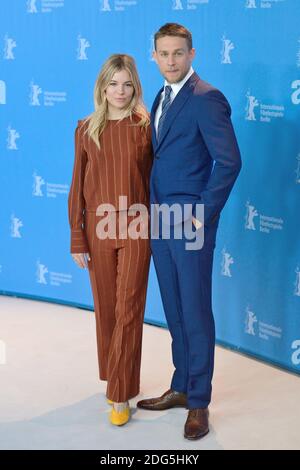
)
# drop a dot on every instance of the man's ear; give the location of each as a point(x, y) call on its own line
point(192, 53)
point(154, 55)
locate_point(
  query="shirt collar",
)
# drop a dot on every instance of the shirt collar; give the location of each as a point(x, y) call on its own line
point(176, 87)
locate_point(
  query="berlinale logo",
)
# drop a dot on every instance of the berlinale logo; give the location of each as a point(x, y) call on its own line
point(177, 5)
point(227, 47)
point(83, 44)
point(9, 45)
point(41, 270)
point(252, 103)
point(105, 6)
point(297, 282)
point(15, 226)
point(38, 182)
point(227, 260)
point(31, 6)
point(249, 217)
point(250, 321)
point(2, 92)
point(35, 91)
point(13, 135)
point(251, 4)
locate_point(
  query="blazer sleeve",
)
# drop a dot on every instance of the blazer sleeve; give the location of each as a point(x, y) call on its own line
point(217, 131)
point(76, 202)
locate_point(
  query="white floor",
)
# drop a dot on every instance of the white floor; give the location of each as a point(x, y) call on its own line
point(51, 398)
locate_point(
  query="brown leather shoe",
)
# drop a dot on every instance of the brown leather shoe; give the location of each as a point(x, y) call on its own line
point(196, 425)
point(170, 399)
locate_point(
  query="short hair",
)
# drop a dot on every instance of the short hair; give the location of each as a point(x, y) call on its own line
point(174, 29)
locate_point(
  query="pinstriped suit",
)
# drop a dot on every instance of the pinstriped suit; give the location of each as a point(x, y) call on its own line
point(118, 268)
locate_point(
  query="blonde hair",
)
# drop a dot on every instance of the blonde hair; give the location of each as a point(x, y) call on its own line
point(98, 119)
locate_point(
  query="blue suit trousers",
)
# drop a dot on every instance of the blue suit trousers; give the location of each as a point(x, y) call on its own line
point(185, 282)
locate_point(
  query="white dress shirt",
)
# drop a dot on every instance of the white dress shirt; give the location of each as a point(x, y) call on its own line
point(176, 87)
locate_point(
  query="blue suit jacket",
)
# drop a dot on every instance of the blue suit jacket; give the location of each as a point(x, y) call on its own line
point(197, 158)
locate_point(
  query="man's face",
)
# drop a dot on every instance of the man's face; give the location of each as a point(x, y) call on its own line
point(173, 57)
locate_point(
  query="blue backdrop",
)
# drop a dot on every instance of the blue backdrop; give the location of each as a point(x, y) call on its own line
point(51, 53)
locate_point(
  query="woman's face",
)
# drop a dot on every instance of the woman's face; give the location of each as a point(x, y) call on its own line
point(120, 90)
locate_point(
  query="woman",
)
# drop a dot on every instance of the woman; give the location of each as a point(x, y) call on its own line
point(113, 157)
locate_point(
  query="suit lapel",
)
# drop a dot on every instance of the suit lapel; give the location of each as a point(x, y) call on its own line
point(153, 111)
point(176, 106)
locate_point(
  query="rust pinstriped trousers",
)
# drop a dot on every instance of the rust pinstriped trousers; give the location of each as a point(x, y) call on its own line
point(118, 273)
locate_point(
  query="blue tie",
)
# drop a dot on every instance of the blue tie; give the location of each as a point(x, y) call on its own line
point(164, 109)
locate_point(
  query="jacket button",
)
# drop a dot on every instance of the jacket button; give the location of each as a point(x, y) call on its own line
point(157, 157)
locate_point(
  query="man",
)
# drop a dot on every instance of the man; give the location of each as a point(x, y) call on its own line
point(196, 161)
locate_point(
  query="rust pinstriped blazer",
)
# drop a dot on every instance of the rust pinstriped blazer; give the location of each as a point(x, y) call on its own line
point(121, 167)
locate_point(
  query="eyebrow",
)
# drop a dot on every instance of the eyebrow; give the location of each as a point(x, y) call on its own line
point(176, 50)
point(116, 81)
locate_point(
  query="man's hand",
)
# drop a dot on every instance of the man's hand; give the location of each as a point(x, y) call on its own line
point(196, 223)
point(81, 259)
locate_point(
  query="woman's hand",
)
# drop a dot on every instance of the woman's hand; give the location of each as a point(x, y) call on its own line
point(81, 259)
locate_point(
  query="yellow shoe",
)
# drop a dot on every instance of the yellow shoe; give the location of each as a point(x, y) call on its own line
point(118, 418)
point(110, 402)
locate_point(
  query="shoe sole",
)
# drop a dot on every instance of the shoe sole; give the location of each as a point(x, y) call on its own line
point(121, 424)
point(196, 438)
